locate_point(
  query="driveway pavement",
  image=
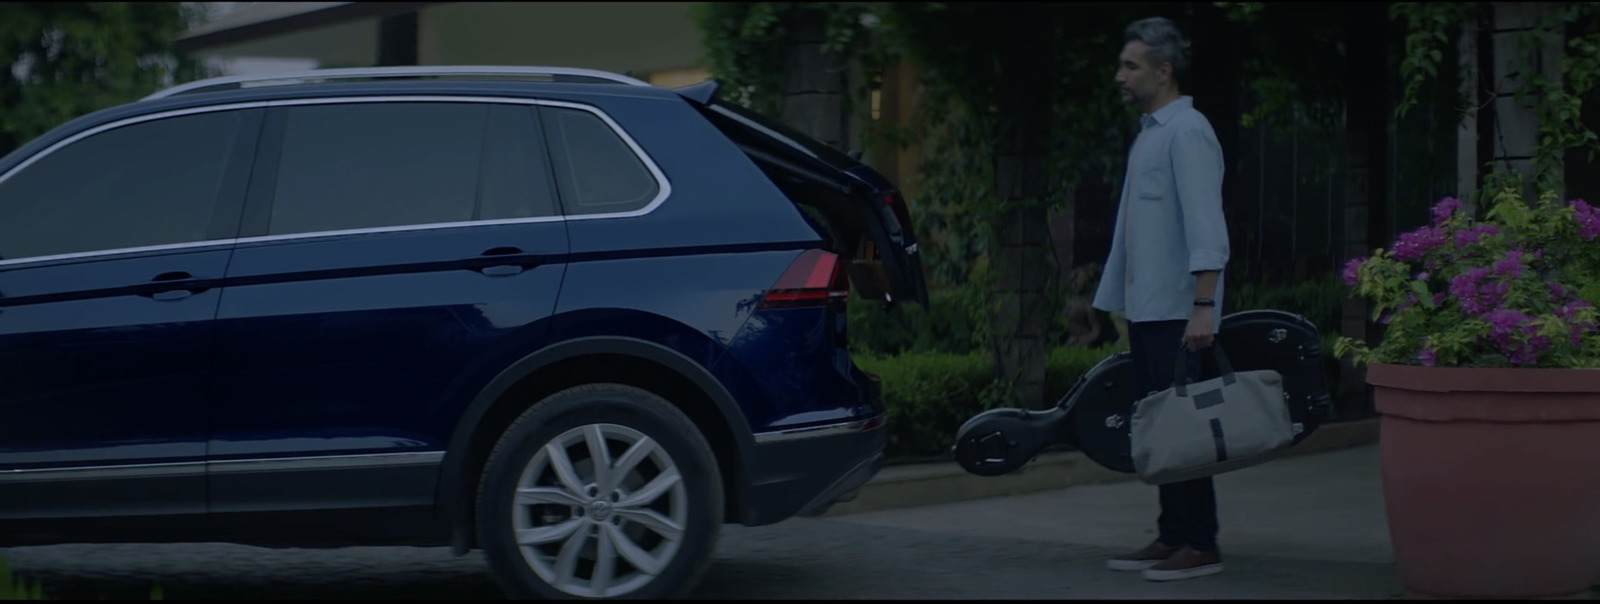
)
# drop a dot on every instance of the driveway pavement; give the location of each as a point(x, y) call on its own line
point(1307, 527)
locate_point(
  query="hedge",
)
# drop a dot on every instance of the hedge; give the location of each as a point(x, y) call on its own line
point(930, 394)
point(935, 376)
point(947, 325)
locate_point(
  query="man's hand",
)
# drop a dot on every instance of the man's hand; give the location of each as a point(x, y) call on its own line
point(1198, 335)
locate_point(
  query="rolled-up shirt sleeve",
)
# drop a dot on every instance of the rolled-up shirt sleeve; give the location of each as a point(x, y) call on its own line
point(1197, 173)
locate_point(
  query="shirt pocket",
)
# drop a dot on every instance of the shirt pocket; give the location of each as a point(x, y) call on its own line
point(1155, 181)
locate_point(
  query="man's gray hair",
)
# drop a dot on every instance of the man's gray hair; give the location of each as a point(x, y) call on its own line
point(1165, 41)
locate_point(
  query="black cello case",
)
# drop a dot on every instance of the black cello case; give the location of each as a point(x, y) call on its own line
point(1093, 416)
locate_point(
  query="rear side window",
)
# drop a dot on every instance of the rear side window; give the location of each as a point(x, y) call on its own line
point(145, 184)
point(374, 165)
point(598, 173)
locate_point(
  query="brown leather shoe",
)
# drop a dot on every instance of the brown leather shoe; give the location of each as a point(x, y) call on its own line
point(1144, 558)
point(1186, 563)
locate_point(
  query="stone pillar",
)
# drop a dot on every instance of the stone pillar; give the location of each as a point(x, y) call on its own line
point(1516, 131)
point(1468, 166)
point(1366, 153)
point(397, 40)
point(814, 81)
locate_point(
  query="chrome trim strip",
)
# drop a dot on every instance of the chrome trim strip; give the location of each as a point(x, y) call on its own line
point(302, 77)
point(277, 464)
point(849, 427)
point(144, 470)
point(125, 122)
point(329, 462)
point(397, 229)
point(664, 185)
point(195, 245)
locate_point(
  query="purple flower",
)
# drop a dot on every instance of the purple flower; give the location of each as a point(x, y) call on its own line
point(1445, 209)
point(1423, 276)
point(1415, 244)
point(1475, 234)
point(1587, 217)
point(1569, 312)
point(1528, 354)
point(1428, 357)
point(1511, 266)
point(1352, 271)
point(1505, 327)
point(1557, 293)
point(1504, 322)
point(1467, 288)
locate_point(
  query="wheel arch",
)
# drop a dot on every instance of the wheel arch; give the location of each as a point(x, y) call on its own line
point(612, 359)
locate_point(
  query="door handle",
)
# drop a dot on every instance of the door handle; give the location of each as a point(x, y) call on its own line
point(174, 278)
point(502, 270)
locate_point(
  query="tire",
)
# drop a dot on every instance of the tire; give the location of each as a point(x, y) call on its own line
point(584, 526)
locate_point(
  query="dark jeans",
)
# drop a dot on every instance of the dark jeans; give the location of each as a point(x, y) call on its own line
point(1189, 508)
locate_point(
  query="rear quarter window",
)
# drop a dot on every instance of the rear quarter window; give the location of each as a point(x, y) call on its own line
point(597, 172)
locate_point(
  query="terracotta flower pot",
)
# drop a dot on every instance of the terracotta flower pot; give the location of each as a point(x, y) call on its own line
point(1491, 478)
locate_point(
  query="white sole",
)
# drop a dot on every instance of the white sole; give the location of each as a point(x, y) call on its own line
point(1130, 565)
point(1151, 574)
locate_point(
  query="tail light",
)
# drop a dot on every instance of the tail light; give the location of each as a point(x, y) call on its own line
point(816, 278)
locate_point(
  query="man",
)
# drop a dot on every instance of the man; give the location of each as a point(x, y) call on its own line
point(1164, 271)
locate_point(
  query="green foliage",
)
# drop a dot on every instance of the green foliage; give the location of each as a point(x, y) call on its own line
point(1243, 12)
point(1560, 99)
point(15, 588)
point(929, 395)
point(946, 326)
point(1559, 105)
point(66, 59)
point(951, 46)
point(1319, 300)
point(744, 43)
point(1433, 25)
point(1508, 291)
point(1293, 51)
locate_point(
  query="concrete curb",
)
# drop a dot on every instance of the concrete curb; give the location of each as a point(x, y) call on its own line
point(945, 482)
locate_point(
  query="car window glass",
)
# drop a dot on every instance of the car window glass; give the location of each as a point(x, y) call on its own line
point(517, 182)
point(144, 184)
point(596, 170)
point(367, 165)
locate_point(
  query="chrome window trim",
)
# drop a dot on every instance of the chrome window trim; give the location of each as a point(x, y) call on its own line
point(260, 464)
point(665, 186)
point(324, 75)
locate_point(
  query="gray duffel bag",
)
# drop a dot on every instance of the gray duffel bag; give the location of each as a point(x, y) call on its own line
point(1223, 424)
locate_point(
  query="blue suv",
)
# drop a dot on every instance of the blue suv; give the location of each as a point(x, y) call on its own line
point(562, 316)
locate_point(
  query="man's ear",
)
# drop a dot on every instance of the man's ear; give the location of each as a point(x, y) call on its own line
point(1166, 70)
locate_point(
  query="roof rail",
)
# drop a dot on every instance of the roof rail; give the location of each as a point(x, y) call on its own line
point(407, 71)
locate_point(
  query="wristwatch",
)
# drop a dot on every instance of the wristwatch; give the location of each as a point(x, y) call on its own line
point(1204, 302)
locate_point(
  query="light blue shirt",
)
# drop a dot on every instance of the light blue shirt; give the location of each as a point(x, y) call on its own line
point(1169, 221)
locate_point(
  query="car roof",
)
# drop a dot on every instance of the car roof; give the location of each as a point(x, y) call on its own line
point(470, 85)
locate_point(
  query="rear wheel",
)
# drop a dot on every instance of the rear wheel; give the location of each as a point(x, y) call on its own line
point(600, 491)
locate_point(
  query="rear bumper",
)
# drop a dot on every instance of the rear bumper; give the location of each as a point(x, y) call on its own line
point(803, 473)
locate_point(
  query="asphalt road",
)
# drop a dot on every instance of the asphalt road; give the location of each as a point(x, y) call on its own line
point(805, 559)
point(1303, 528)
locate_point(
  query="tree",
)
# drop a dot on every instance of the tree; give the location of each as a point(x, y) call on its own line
point(71, 58)
point(1007, 136)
